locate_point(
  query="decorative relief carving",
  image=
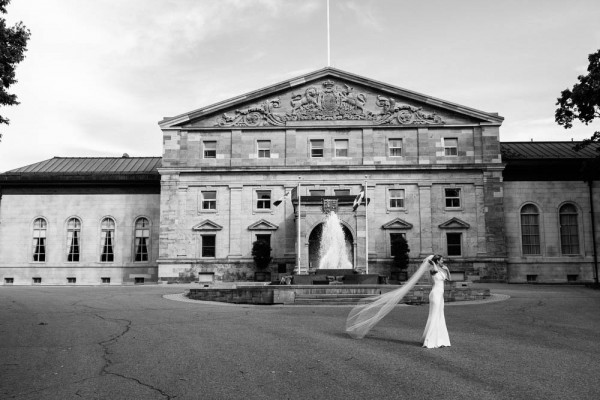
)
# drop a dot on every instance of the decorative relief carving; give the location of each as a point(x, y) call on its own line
point(329, 205)
point(329, 102)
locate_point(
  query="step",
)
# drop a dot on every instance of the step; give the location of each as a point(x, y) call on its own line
point(333, 296)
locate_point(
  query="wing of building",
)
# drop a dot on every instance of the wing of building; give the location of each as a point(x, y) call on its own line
point(269, 165)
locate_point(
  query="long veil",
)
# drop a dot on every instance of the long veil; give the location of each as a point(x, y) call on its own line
point(371, 310)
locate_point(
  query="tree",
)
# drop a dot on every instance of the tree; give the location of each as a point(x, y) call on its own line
point(400, 252)
point(582, 102)
point(13, 44)
point(261, 253)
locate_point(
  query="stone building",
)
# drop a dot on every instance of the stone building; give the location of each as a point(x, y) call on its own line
point(432, 171)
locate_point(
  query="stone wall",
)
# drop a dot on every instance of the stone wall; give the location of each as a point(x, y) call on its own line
point(550, 266)
point(16, 230)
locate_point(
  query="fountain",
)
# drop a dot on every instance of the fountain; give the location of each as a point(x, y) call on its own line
point(333, 249)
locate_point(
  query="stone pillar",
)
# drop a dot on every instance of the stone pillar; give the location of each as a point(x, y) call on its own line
point(289, 224)
point(425, 218)
point(359, 262)
point(235, 221)
point(480, 215)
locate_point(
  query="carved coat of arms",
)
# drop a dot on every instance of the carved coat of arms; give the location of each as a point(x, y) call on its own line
point(329, 101)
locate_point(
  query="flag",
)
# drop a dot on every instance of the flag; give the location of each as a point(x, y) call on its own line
point(359, 199)
point(280, 200)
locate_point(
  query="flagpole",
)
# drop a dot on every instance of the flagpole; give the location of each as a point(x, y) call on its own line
point(298, 236)
point(366, 228)
point(328, 39)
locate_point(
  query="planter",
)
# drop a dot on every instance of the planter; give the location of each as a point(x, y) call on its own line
point(262, 276)
point(399, 276)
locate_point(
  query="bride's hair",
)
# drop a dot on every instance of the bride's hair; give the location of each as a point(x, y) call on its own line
point(436, 258)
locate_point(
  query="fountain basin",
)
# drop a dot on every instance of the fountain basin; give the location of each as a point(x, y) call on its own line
point(330, 295)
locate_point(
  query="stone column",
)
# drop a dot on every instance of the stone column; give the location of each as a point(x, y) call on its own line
point(359, 262)
point(425, 218)
point(480, 210)
point(235, 221)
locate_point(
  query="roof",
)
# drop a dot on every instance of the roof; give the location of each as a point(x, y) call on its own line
point(548, 161)
point(546, 150)
point(92, 165)
point(85, 172)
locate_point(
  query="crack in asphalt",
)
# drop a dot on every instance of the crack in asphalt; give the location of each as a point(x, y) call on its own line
point(108, 362)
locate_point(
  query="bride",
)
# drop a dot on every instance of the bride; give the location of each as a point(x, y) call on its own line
point(370, 311)
point(436, 333)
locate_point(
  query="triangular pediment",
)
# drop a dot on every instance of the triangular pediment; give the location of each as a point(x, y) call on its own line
point(397, 224)
point(207, 225)
point(454, 223)
point(327, 95)
point(263, 225)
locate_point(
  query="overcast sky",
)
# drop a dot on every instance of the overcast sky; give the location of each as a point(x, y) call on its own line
point(100, 74)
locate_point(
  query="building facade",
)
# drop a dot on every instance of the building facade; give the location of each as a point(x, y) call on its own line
point(269, 165)
point(78, 221)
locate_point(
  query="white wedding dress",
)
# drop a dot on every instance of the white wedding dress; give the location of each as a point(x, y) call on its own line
point(436, 333)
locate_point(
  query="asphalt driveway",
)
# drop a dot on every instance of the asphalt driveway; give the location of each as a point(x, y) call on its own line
point(132, 343)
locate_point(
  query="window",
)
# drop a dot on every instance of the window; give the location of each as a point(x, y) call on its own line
point(73, 235)
point(316, 148)
point(142, 239)
point(395, 242)
point(263, 199)
point(341, 147)
point(450, 146)
point(264, 238)
point(107, 237)
point(396, 198)
point(569, 229)
point(317, 192)
point(452, 196)
point(208, 245)
point(341, 192)
point(395, 146)
point(105, 279)
point(71, 280)
point(209, 200)
point(530, 229)
point(37, 280)
point(531, 278)
point(264, 148)
point(39, 240)
point(138, 280)
point(453, 242)
point(210, 149)
point(9, 281)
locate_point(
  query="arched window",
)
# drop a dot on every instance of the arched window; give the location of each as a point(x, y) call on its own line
point(73, 238)
point(107, 237)
point(39, 240)
point(530, 229)
point(142, 239)
point(569, 229)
